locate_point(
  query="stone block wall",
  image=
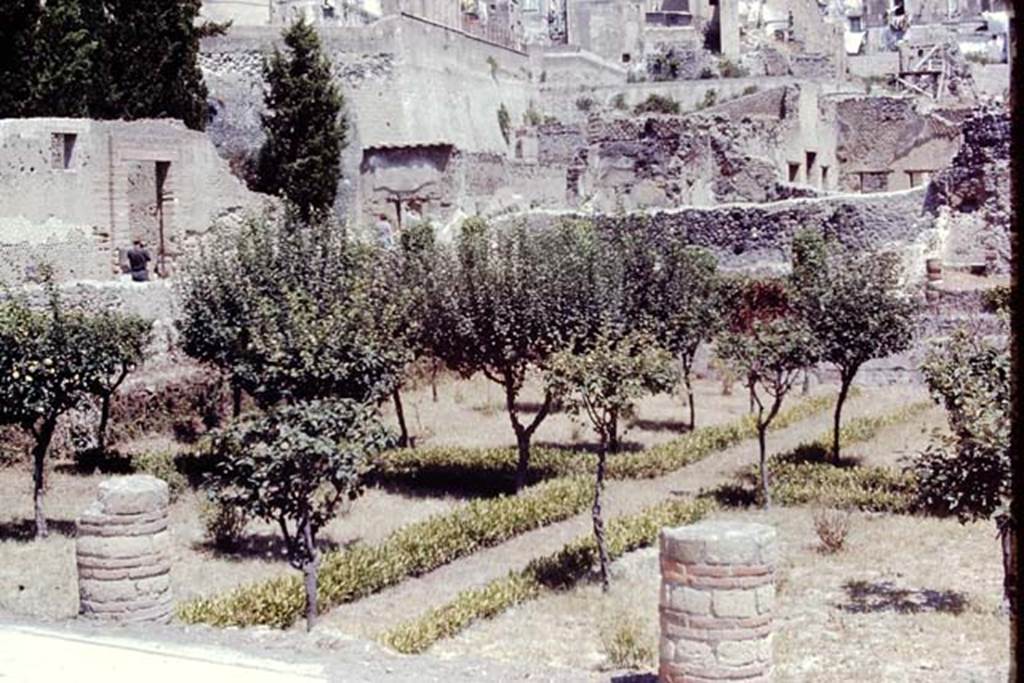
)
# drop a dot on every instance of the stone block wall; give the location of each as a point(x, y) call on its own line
point(123, 552)
point(717, 601)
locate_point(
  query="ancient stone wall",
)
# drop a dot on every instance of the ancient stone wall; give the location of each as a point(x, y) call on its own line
point(407, 82)
point(891, 136)
point(77, 191)
point(758, 236)
point(971, 198)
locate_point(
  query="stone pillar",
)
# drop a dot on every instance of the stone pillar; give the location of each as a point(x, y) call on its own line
point(729, 29)
point(717, 598)
point(124, 553)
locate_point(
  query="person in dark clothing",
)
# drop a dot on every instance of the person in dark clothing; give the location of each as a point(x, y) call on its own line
point(138, 262)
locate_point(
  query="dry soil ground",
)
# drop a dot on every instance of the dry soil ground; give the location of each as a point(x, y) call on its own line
point(908, 599)
point(38, 578)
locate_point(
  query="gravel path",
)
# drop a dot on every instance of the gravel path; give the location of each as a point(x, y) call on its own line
point(379, 612)
point(149, 652)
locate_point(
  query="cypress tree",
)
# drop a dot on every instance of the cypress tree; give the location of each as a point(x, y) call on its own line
point(18, 19)
point(69, 61)
point(304, 126)
point(154, 69)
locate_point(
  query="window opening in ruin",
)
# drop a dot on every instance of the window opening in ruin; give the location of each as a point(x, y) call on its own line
point(874, 181)
point(794, 172)
point(824, 177)
point(917, 178)
point(626, 58)
point(855, 25)
point(62, 150)
point(519, 149)
point(811, 158)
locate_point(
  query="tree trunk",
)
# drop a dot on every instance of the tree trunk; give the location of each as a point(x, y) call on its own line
point(42, 445)
point(434, 368)
point(523, 432)
point(753, 399)
point(1008, 534)
point(613, 435)
point(762, 449)
point(236, 400)
point(310, 569)
point(844, 390)
point(101, 430)
point(523, 463)
point(806, 388)
point(687, 382)
point(595, 514)
point(403, 429)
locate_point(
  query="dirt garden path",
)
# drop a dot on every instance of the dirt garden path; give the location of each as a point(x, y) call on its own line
point(379, 612)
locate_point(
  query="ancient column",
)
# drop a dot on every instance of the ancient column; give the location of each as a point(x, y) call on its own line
point(123, 552)
point(717, 597)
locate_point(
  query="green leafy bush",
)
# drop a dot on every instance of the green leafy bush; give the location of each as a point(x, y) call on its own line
point(410, 551)
point(996, 299)
point(557, 571)
point(878, 489)
point(161, 464)
point(224, 523)
point(657, 104)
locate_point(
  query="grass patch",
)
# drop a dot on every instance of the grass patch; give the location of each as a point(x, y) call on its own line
point(557, 571)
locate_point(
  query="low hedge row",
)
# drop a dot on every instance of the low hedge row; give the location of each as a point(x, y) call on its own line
point(556, 571)
point(432, 543)
point(410, 551)
point(804, 476)
point(877, 489)
point(495, 467)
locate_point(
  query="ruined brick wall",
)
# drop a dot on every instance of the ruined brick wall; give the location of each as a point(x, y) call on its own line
point(741, 150)
point(891, 136)
point(77, 191)
point(971, 198)
point(759, 235)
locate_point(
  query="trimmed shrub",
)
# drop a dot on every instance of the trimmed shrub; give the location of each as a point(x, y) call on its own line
point(560, 570)
point(490, 471)
point(804, 476)
point(410, 551)
point(224, 524)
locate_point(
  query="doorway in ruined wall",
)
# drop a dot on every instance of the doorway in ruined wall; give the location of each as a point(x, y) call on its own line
point(147, 199)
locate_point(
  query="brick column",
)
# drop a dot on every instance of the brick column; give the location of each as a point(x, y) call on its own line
point(123, 552)
point(717, 597)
